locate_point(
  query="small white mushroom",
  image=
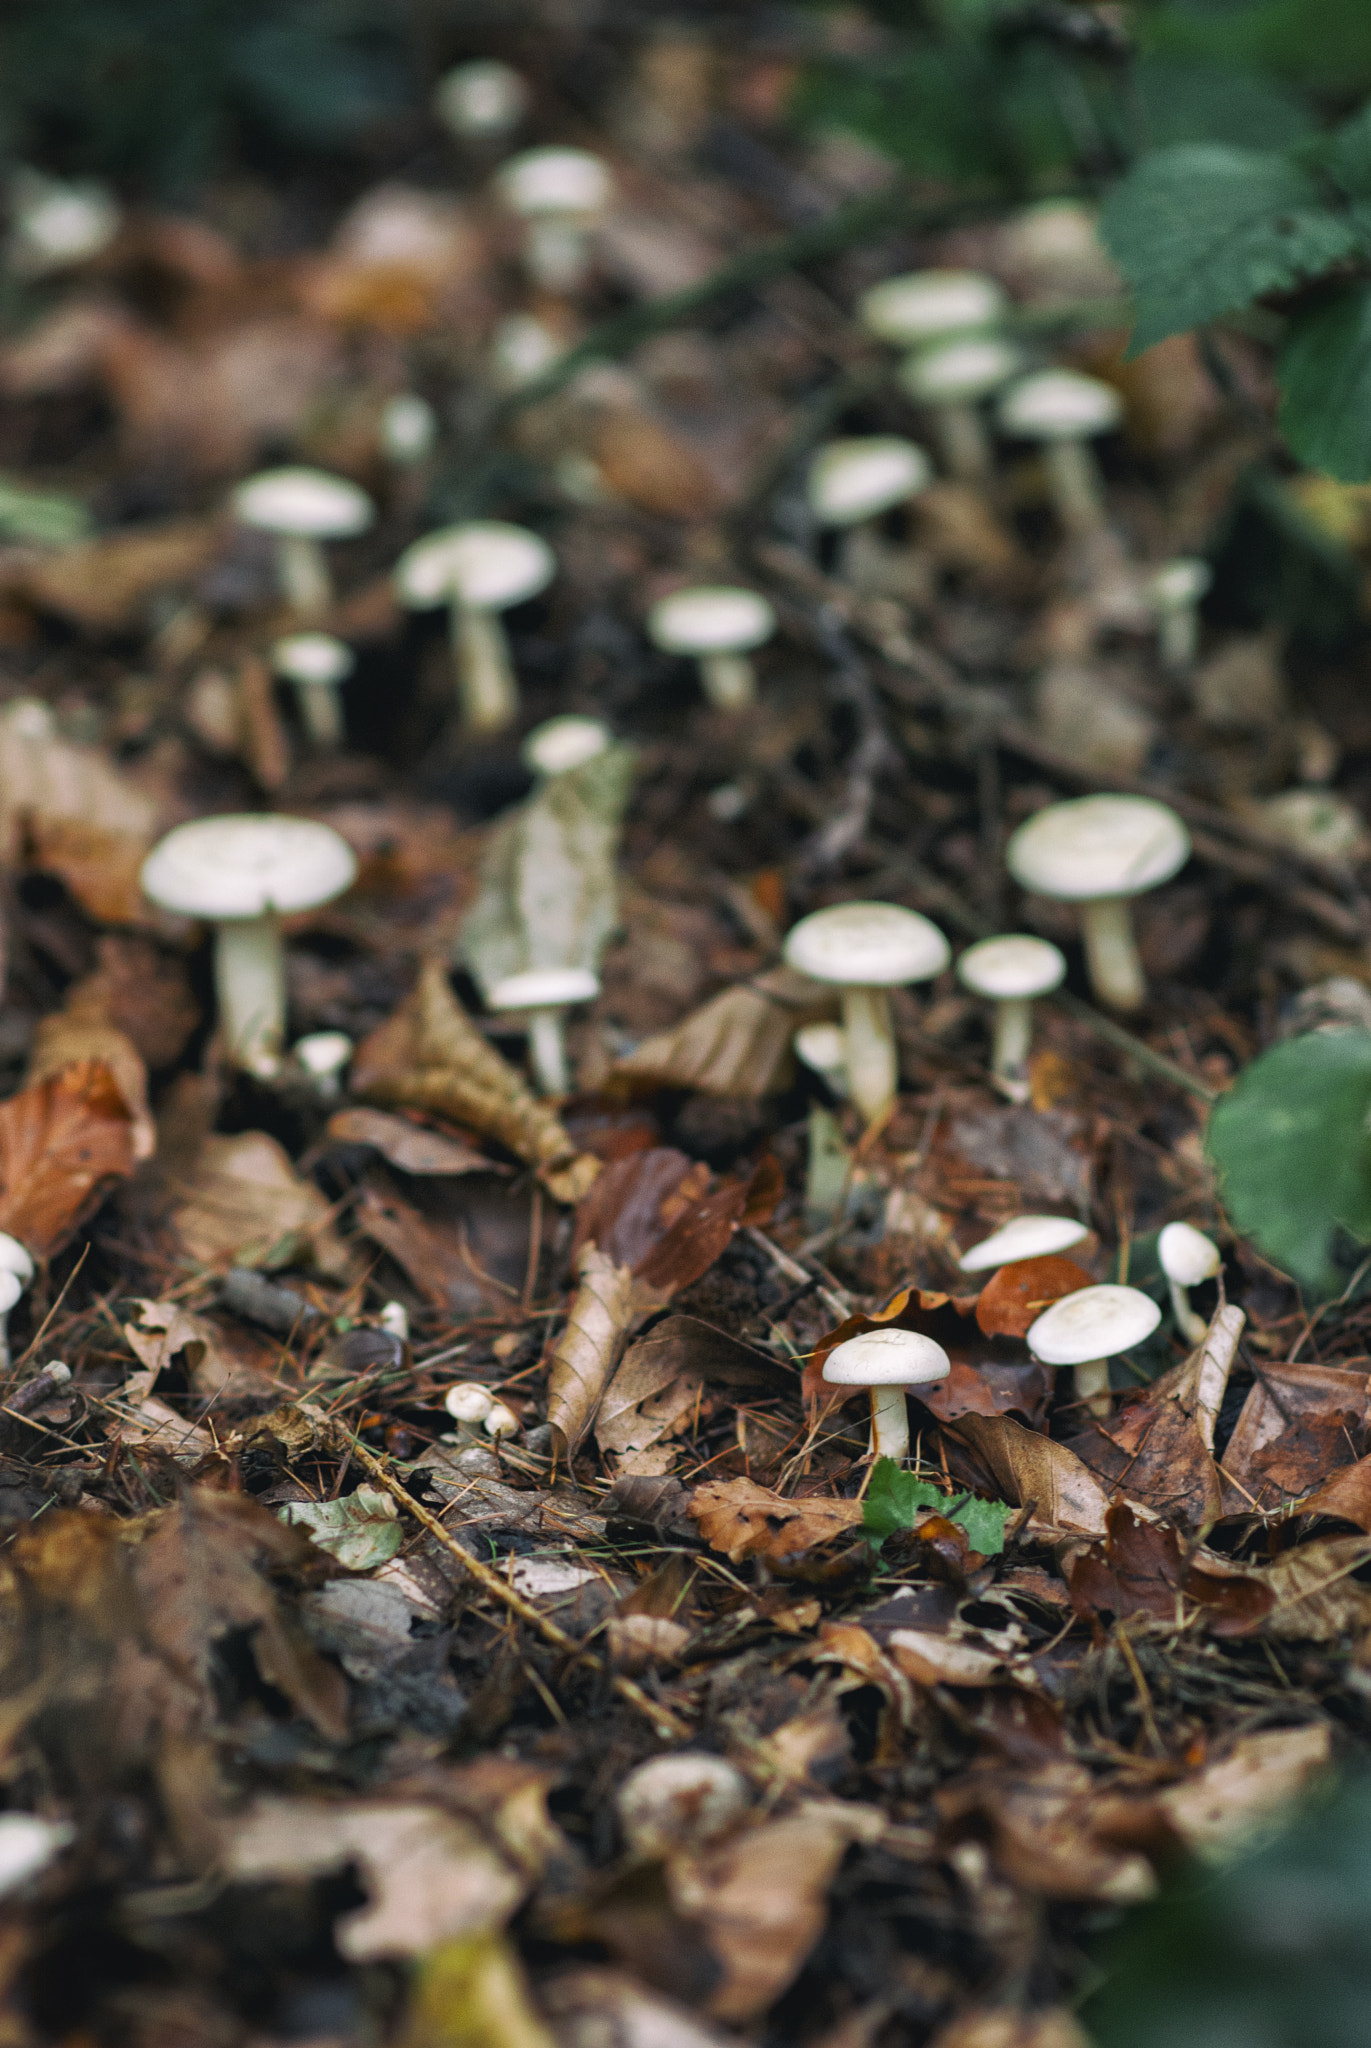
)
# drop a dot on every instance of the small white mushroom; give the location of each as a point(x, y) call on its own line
point(546, 993)
point(478, 570)
point(242, 874)
point(324, 1055)
point(719, 625)
point(1063, 411)
point(55, 225)
point(867, 949)
point(1023, 1237)
point(680, 1802)
point(303, 508)
point(11, 1287)
point(468, 1402)
point(1010, 972)
point(853, 483)
point(523, 347)
point(927, 305)
point(1174, 594)
point(481, 102)
point(950, 378)
point(393, 1318)
point(316, 665)
point(501, 1421)
point(1187, 1257)
point(1313, 821)
point(407, 429)
point(560, 744)
point(887, 1361)
point(559, 194)
point(1099, 852)
point(28, 1844)
point(823, 1048)
point(1087, 1329)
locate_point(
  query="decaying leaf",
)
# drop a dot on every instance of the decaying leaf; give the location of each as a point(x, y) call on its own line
point(1048, 1831)
point(658, 1383)
point(736, 1044)
point(362, 1529)
point(1315, 1598)
point(472, 1993)
point(1006, 2027)
point(103, 584)
point(588, 1349)
point(1298, 1424)
point(71, 813)
point(1232, 1803)
point(743, 1519)
point(83, 1030)
point(407, 1145)
point(593, 2005)
point(1029, 1469)
point(1141, 1569)
point(438, 1260)
point(63, 1142)
point(243, 1204)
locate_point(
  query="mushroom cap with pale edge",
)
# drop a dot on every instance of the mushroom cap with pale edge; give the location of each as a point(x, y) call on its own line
point(11, 1287)
point(711, 619)
point(323, 1053)
point(468, 1402)
point(486, 563)
point(312, 658)
point(1187, 1256)
point(1023, 1237)
point(859, 478)
point(544, 988)
point(822, 1047)
point(1098, 846)
point(308, 502)
point(1180, 582)
point(556, 181)
point(561, 744)
point(866, 945)
point(961, 370)
point(923, 303)
point(1016, 965)
point(482, 98)
point(1060, 405)
point(247, 865)
point(886, 1358)
point(1095, 1322)
point(14, 1258)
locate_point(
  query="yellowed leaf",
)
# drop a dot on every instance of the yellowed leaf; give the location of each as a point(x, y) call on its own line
point(472, 1994)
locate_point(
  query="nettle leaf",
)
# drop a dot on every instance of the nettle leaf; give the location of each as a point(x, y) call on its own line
point(1204, 229)
point(1324, 373)
point(894, 1498)
point(1293, 1154)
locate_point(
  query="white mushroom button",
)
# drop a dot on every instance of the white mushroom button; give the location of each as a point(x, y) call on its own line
point(887, 1361)
point(866, 949)
point(719, 626)
point(54, 225)
point(468, 1402)
point(11, 1287)
point(522, 349)
point(855, 482)
point(393, 1318)
point(1087, 1329)
point(950, 378)
point(478, 570)
point(823, 1048)
point(559, 194)
point(316, 665)
point(303, 508)
point(1099, 852)
point(324, 1055)
point(1187, 1257)
point(925, 305)
point(1174, 592)
point(242, 874)
point(500, 1421)
point(483, 101)
point(1023, 1237)
point(1010, 972)
point(546, 993)
point(1063, 411)
point(408, 429)
point(560, 744)
point(680, 1802)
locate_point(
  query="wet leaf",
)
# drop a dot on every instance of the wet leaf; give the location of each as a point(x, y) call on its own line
point(63, 1142)
point(362, 1529)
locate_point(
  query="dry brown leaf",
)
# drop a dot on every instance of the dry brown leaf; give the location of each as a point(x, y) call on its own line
point(151, 1425)
point(1027, 1467)
point(644, 460)
point(658, 1381)
point(63, 1141)
point(68, 811)
point(1141, 1569)
point(1013, 2029)
point(164, 1334)
point(958, 528)
point(1046, 1831)
point(241, 1203)
point(262, 733)
point(588, 1349)
point(1223, 1807)
point(743, 1519)
point(103, 585)
point(736, 1044)
point(143, 992)
point(1298, 1424)
point(599, 2005)
point(430, 1056)
point(409, 1146)
point(437, 1258)
point(83, 1031)
point(1023, 1388)
point(1316, 1600)
point(1346, 1495)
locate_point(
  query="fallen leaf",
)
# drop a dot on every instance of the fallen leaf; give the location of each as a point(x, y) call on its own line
point(68, 811)
point(645, 460)
point(1012, 2029)
point(103, 585)
point(1015, 1296)
point(1029, 1468)
point(1298, 1423)
point(1346, 1494)
point(165, 1334)
point(1045, 1831)
point(1023, 1388)
point(473, 1994)
point(63, 1142)
point(743, 1520)
point(635, 1200)
point(81, 1031)
point(438, 1260)
point(588, 1349)
point(1231, 1804)
point(143, 992)
point(594, 2005)
point(1314, 1597)
point(736, 1044)
point(411, 1147)
point(241, 1203)
point(361, 1530)
point(1140, 1569)
point(658, 1382)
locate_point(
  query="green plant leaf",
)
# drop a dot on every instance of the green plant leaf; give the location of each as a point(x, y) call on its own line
point(1290, 1143)
point(1324, 373)
point(895, 1497)
point(1194, 99)
point(362, 1530)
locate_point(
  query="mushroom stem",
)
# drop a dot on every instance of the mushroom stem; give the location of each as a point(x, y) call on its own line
point(250, 983)
point(1013, 1037)
point(547, 1050)
point(321, 712)
point(729, 681)
point(889, 1423)
point(557, 253)
point(486, 689)
point(827, 1170)
point(1110, 953)
point(1191, 1325)
point(1073, 478)
point(1178, 638)
point(962, 440)
point(302, 568)
point(1092, 1387)
point(872, 1062)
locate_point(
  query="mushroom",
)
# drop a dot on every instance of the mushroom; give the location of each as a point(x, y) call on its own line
point(823, 1048)
point(887, 1361)
point(1062, 410)
point(546, 993)
point(559, 194)
point(720, 626)
point(1010, 972)
point(1314, 821)
point(468, 1402)
point(949, 378)
point(1023, 1237)
point(560, 744)
point(54, 225)
point(323, 1055)
point(242, 874)
point(316, 664)
point(853, 483)
point(16, 1271)
point(679, 1802)
point(523, 349)
point(303, 508)
point(1098, 851)
point(393, 1318)
point(500, 1421)
point(1174, 594)
point(481, 102)
point(927, 305)
point(1088, 1328)
point(1187, 1257)
point(866, 949)
point(407, 429)
point(478, 570)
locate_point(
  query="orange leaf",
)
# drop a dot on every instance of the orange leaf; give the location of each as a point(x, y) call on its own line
point(61, 1140)
point(1013, 1298)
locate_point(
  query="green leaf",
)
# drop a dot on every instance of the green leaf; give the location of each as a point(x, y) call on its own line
point(1193, 99)
point(895, 1497)
point(1324, 373)
point(1203, 229)
point(362, 1530)
point(45, 519)
point(1293, 1155)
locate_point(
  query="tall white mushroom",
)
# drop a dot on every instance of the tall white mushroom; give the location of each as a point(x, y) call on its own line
point(927, 305)
point(1063, 411)
point(1023, 1237)
point(560, 744)
point(887, 1361)
point(1187, 1257)
point(303, 508)
point(316, 665)
point(1087, 1329)
point(1174, 594)
point(867, 949)
point(1099, 852)
point(546, 993)
point(950, 378)
point(853, 483)
point(242, 874)
point(1010, 972)
point(720, 626)
point(482, 101)
point(478, 570)
point(559, 194)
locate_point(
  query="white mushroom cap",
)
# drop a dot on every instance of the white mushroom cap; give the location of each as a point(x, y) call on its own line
point(468, 1403)
point(1315, 821)
point(1180, 582)
point(309, 502)
point(14, 1258)
point(970, 367)
point(1095, 1322)
point(56, 224)
point(1016, 965)
point(1187, 1256)
point(560, 744)
point(408, 427)
point(1060, 405)
point(545, 988)
point(482, 99)
point(711, 619)
point(485, 563)
point(822, 1047)
point(522, 349)
point(924, 303)
point(555, 181)
point(867, 945)
point(680, 1801)
point(501, 1421)
point(887, 1358)
point(1023, 1237)
point(312, 658)
point(11, 1287)
point(1096, 846)
point(247, 865)
point(859, 478)
point(323, 1053)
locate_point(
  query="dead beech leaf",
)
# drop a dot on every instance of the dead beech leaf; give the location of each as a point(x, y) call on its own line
point(241, 1203)
point(82, 1031)
point(437, 1259)
point(102, 585)
point(736, 1044)
point(635, 1200)
point(1141, 1569)
point(1022, 1388)
point(143, 992)
point(658, 1381)
point(63, 1141)
point(409, 1146)
point(1014, 1297)
point(163, 1332)
point(600, 2005)
point(1027, 1467)
point(588, 1349)
point(647, 462)
point(1228, 1805)
point(152, 1425)
point(1345, 1494)
point(743, 1519)
point(1046, 1831)
point(1298, 1424)
point(1315, 1598)
point(68, 811)
point(430, 1056)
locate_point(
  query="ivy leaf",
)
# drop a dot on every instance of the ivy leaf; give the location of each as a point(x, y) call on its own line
point(1324, 373)
point(895, 1497)
point(1293, 1154)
